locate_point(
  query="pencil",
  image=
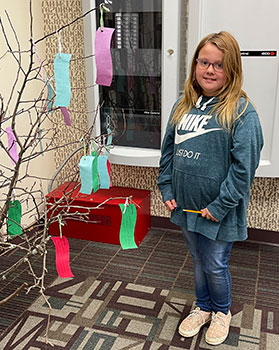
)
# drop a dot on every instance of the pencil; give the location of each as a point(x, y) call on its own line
point(193, 211)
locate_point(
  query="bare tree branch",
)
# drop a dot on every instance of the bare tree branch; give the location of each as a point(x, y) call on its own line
point(38, 138)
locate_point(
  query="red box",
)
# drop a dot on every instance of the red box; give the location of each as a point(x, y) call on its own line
point(104, 223)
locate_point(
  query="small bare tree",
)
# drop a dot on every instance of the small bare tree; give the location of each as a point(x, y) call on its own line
point(18, 181)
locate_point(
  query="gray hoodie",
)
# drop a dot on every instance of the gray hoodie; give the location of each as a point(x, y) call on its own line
point(204, 166)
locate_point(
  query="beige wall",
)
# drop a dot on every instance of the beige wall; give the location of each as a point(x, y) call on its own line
point(263, 210)
point(43, 166)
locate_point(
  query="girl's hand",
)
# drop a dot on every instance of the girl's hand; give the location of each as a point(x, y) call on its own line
point(206, 214)
point(170, 204)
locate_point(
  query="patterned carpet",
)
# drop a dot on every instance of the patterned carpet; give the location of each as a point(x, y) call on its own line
point(135, 299)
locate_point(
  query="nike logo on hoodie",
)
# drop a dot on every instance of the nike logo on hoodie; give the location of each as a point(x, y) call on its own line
point(194, 125)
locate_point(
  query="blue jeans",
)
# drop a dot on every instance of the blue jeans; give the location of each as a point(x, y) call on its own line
point(211, 271)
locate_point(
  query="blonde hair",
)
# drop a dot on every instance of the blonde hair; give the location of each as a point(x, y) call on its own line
point(226, 109)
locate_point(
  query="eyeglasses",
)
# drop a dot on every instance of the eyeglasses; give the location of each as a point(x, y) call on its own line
point(204, 64)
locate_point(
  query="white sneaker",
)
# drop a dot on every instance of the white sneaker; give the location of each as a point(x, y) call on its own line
point(219, 328)
point(191, 325)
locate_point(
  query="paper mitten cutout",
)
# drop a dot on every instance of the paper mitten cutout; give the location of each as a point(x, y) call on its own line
point(95, 175)
point(103, 172)
point(127, 229)
point(62, 250)
point(85, 171)
point(103, 56)
point(62, 80)
point(14, 218)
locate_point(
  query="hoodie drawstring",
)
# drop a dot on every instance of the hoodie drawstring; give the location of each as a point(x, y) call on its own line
point(198, 104)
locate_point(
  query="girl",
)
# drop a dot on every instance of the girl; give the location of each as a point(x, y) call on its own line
point(210, 153)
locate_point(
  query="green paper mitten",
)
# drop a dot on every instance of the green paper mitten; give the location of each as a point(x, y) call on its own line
point(14, 218)
point(127, 229)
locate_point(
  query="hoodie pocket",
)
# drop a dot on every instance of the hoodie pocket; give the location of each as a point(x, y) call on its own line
point(194, 192)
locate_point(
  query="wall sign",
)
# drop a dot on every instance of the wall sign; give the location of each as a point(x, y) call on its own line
point(272, 53)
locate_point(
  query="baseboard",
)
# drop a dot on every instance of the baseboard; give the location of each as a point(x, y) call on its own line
point(254, 235)
point(263, 236)
point(162, 223)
